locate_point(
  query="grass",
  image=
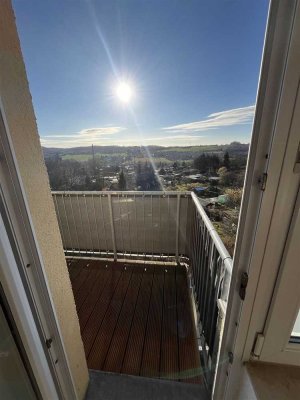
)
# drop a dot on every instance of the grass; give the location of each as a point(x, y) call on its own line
point(156, 160)
point(192, 149)
point(86, 157)
point(77, 157)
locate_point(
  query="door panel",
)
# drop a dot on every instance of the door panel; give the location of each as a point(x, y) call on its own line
point(14, 380)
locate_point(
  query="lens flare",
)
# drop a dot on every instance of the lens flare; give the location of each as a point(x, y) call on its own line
point(124, 92)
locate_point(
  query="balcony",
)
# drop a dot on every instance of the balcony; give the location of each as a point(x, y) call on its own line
point(150, 277)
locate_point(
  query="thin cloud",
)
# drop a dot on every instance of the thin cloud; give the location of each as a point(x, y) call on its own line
point(173, 134)
point(85, 137)
point(78, 141)
point(236, 116)
point(108, 130)
point(177, 137)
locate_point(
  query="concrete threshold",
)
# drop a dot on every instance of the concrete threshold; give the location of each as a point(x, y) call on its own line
point(111, 386)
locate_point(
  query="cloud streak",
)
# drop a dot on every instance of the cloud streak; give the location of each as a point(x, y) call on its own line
point(108, 130)
point(64, 141)
point(171, 135)
point(177, 137)
point(85, 137)
point(236, 116)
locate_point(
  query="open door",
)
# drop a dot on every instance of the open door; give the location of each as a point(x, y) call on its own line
point(16, 377)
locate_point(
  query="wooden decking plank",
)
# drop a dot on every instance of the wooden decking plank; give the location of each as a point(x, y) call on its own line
point(117, 347)
point(71, 261)
point(189, 358)
point(74, 269)
point(152, 345)
point(95, 272)
point(98, 351)
point(134, 349)
point(169, 366)
point(82, 276)
point(141, 325)
point(94, 321)
point(85, 309)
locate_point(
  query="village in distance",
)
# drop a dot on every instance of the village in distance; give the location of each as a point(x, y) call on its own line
point(215, 173)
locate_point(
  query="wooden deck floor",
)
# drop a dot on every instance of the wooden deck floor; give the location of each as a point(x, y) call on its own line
point(136, 319)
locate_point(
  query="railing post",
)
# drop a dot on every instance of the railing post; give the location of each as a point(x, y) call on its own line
point(112, 226)
point(177, 227)
point(59, 221)
point(67, 221)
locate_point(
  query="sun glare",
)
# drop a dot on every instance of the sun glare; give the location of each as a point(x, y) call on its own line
point(124, 92)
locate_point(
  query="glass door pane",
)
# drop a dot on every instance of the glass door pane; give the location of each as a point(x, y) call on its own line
point(14, 380)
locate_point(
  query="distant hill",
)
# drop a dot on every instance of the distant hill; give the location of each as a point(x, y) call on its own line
point(172, 153)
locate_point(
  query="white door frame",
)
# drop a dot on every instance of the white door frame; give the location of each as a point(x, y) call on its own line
point(20, 308)
point(276, 346)
point(268, 151)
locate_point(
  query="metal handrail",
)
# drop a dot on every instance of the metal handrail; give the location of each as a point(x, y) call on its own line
point(211, 269)
point(123, 192)
point(211, 229)
point(223, 252)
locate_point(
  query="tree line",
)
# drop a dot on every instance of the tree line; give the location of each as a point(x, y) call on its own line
point(211, 162)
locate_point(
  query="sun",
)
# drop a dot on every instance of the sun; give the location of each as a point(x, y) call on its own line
point(124, 92)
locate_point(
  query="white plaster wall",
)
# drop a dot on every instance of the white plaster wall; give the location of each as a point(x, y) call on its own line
point(263, 381)
point(17, 103)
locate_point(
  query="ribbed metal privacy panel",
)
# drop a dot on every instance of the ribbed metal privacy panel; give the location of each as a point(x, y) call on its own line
point(152, 223)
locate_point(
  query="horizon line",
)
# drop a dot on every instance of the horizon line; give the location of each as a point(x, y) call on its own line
point(152, 145)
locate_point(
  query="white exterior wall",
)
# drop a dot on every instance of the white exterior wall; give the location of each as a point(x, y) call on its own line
point(18, 109)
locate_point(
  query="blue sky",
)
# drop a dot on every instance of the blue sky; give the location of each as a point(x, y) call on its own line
point(193, 66)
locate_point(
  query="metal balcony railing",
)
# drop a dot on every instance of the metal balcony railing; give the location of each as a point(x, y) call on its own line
point(153, 225)
point(163, 226)
point(211, 268)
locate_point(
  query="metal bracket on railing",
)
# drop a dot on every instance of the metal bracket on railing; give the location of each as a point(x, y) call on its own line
point(48, 343)
point(243, 286)
point(262, 181)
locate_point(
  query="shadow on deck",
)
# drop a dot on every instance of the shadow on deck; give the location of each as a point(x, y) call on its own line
point(136, 319)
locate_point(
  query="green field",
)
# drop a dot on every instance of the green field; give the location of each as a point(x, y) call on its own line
point(86, 157)
point(77, 157)
point(192, 149)
point(156, 160)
